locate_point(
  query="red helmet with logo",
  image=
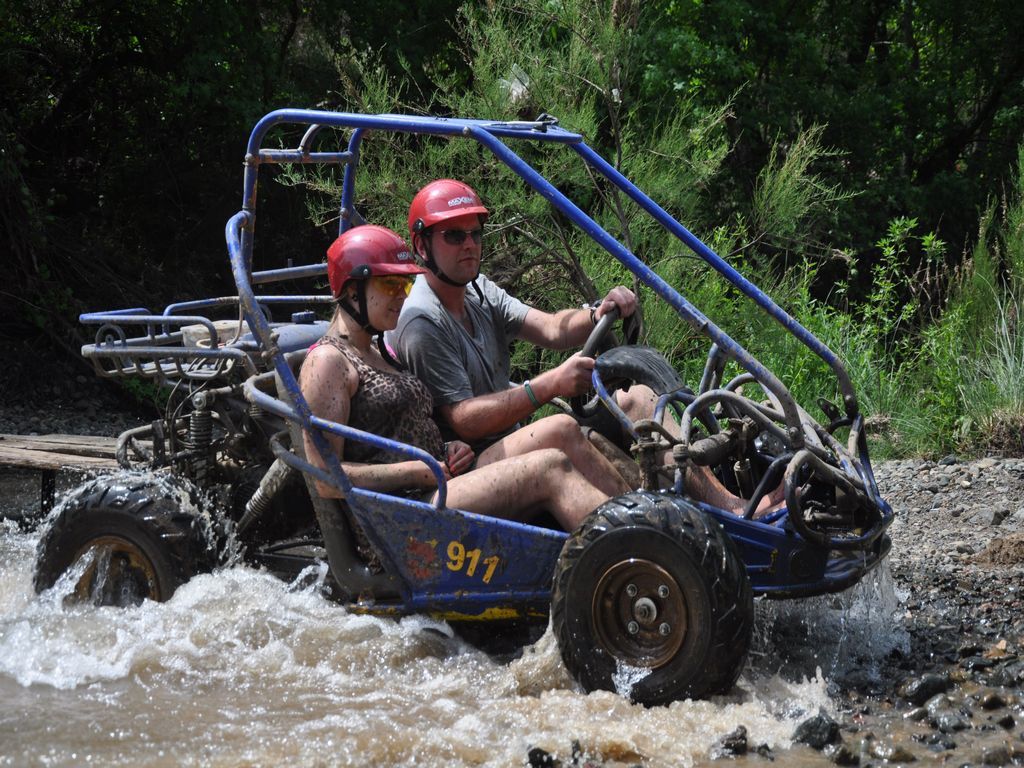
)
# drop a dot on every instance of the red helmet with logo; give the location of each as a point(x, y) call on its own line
point(366, 251)
point(440, 200)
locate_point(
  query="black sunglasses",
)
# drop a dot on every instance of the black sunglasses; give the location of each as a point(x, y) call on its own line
point(458, 236)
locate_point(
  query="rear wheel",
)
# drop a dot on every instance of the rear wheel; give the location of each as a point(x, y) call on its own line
point(128, 540)
point(651, 590)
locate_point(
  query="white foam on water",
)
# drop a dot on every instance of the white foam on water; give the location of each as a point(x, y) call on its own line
point(239, 667)
point(17, 554)
point(612, 730)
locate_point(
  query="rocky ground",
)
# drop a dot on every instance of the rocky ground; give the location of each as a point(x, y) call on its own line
point(68, 403)
point(953, 696)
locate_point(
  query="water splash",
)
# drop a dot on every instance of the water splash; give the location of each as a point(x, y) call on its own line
point(241, 668)
point(540, 668)
point(312, 579)
point(626, 678)
point(847, 635)
point(54, 642)
point(56, 596)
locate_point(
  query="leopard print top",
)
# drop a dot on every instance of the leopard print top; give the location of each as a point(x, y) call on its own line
point(394, 405)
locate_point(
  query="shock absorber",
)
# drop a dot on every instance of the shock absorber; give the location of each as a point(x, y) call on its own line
point(200, 434)
point(271, 483)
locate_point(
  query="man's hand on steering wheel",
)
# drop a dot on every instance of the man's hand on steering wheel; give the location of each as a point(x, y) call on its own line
point(619, 302)
point(573, 376)
point(619, 297)
point(623, 301)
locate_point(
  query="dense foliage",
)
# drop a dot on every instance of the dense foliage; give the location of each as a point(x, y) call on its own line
point(924, 100)
point(123, 128)
point(859, 160)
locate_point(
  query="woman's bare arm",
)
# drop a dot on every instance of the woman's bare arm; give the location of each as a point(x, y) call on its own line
point(328, 382)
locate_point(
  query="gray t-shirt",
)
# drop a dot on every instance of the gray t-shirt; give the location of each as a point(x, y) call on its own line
point(453, 364)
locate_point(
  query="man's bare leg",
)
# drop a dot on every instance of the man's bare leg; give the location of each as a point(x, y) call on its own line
point(639, 401)
point(563, 433)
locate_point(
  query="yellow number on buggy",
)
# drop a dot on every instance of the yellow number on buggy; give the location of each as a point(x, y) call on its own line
point(459, 559)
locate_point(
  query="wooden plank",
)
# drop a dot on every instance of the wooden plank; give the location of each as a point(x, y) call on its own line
point(39, 459)
point(60, 439)
point(75, 445)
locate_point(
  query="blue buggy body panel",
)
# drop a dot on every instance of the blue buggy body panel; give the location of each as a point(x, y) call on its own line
point(461, 563)
point(452, 562)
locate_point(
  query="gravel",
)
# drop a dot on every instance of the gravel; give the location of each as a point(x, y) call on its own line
point(954, 694)
point(71, 404)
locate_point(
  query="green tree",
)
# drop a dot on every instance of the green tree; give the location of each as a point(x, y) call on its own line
point(582, 62)
point(123, 126)
point(923, 99)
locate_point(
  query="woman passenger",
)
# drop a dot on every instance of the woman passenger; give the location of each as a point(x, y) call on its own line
point(345, 379)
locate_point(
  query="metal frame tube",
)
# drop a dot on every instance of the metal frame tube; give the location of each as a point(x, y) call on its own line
point(727, 271)
point(492, 135)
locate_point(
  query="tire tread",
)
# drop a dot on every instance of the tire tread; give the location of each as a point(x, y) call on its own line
point(184, 543)
point(716, 554)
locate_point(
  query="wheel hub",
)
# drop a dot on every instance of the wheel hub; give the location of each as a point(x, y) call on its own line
point(639, 613)
point(120, 574)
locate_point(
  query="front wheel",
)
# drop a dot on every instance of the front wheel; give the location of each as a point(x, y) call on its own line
point(128, 540)
point(651, 590)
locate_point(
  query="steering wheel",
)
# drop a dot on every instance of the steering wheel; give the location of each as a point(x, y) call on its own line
point(580, 405)
point(600, 333)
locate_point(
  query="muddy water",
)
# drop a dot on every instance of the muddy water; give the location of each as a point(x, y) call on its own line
point(242, 669)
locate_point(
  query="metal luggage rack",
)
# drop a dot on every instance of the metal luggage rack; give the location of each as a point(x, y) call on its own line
point(172, 347)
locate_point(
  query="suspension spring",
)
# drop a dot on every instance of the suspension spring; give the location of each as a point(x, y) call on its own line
point(200, 428)
point(200, 433)
point(254, 510)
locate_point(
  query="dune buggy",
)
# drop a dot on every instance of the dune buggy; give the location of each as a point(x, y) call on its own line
point(652, 582)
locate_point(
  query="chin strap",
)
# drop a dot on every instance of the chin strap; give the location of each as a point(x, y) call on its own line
point(359, 315)
point(480, 294)
point(429, 263)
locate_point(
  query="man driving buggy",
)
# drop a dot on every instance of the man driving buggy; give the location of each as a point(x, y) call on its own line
point(457, 326)
point(456, 329)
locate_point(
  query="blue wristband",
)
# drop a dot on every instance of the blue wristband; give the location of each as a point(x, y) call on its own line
point(529, 394)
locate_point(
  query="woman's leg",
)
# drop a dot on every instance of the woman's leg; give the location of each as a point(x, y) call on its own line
point(519, 487)
point(562, 433)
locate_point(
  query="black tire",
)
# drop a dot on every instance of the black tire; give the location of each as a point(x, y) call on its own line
point(659, 564)
point(147, 535)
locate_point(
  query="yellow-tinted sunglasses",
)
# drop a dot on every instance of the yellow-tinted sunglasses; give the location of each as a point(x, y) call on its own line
point(394, 285)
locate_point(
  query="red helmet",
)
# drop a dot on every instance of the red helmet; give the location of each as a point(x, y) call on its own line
point(365, 251)
point(440, 200)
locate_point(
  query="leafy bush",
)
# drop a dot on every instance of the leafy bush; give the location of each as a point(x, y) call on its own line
point(935, 354)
